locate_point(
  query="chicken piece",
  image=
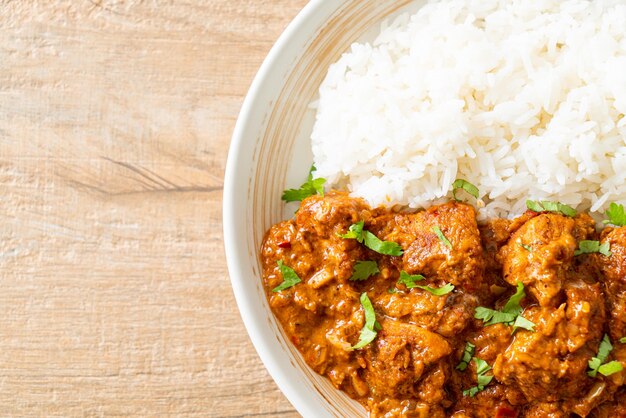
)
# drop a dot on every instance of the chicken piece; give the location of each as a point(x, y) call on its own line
point(614, 270)
point(550, 364)
point(331, 214)
point(540, 253)
point(455, 257)
point(612, 409)
point(489, 403)
point(448, 315)
point(403, 354)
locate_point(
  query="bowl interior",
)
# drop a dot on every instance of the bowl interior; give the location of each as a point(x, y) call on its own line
point(270, 152)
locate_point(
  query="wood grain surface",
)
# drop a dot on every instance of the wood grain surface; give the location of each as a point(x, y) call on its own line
point(115, 122)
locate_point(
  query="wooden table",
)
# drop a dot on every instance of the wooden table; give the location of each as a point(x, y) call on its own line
point(115, 122)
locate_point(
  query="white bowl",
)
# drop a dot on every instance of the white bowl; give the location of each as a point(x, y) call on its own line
point(270, 151)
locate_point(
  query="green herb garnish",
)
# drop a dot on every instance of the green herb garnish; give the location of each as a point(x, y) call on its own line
point(468, 353)
point(509, 315)
point(547, 206)
point(371, 327)
point(441, 237)
point(308, 188)
point(290, 278)
point(596, 364)
point(438, 291)
point(410, 282)
point(465, 185)
point(521, 322)
point(371, 241)
point(610, 368)
point(392, 290)
point(616, 215)
point(526, 247)
point(409, 279)
point(622, 340)
point(363, 270)
point(482, 379)
point(588, 247)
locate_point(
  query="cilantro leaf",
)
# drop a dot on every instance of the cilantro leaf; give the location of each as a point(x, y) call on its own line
point(491, 316)
point(363, 270)
point(616, 215)
point(509, 315)
point(521, 322)
point(354, 232)
point(610, 368)
point(468, 353)
point(547, 206)
point(290, 278)
point(605, 348)
point(596, 363)
point(622, 340)
point(534, 206)
point(465, 185)
point(482, 380)
point(368, 332)
point(308, 188)
point(366, 336)
point(588, 247)
point(438, 291)
point(526, 247)
point(441, 237)
point(371, 241)
point(382, 247)
point(409, 279)
point(513, 304)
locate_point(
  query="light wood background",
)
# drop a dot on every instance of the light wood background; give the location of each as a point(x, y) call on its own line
point(115, 122)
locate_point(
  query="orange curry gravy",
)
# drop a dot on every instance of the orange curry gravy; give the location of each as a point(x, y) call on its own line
point(409, 369)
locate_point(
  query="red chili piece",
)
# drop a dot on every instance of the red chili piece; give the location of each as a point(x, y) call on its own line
point(285, 244)
point(505, 412)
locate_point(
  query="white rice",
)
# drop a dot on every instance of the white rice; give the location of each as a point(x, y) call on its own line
point(525, 99)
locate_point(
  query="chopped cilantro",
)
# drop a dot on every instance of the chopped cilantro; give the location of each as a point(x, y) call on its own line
point(363, 270)
point(382, 247)
point(355, 232)
point(290, 278)
point(491, 316)
point(465, 185)
point(409, 279)
point(622, 340)
point(513, 304)
point(588, 247)
point(308, 188)
point(410, 282)
point(526, 247)
point(596, 363)
point(371, 241)
point(610, 368)
point(468, 353)
point(482, 380)
point(510, 314)
point(441, 237)
point(371, 327)
point(616, 215)
point(546, 206)
point(521, 322)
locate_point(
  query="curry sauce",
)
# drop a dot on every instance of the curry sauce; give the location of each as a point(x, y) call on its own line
point(412, 367)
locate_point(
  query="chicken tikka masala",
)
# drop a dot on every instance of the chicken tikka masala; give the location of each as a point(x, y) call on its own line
point(432, 314)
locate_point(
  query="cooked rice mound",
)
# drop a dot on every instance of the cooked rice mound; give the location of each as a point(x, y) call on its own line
point(525, 99)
